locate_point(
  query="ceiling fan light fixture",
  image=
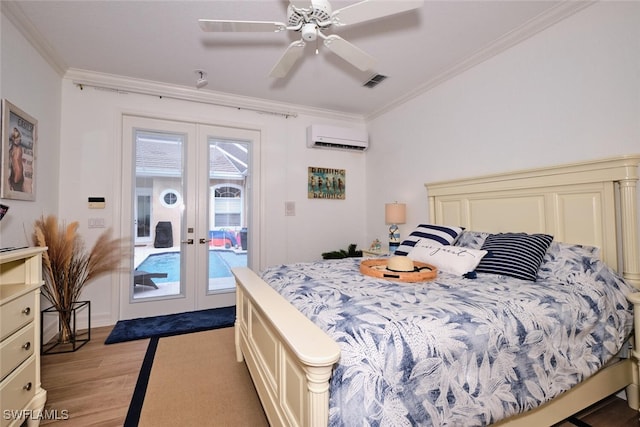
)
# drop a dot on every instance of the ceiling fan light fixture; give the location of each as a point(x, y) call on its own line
point(309, 32)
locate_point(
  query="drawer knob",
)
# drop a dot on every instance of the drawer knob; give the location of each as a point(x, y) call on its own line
point(27, 345)
point(26, 311)
point(27, 386)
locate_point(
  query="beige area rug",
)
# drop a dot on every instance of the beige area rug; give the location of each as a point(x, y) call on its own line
point(195, 380)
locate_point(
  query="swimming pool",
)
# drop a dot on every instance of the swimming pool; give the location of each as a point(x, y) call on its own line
point(220, 264)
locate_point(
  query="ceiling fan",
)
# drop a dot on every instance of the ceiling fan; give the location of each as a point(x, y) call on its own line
point(310, 17)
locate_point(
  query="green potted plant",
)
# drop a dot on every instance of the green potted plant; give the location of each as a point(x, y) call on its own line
point(67, 266)
point(341, 253)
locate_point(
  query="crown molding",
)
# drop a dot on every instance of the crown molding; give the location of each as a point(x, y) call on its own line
point(525, 31)
point(123, 84)
point(14, 13)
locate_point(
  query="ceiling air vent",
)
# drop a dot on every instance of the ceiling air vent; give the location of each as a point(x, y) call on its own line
point(374, 81)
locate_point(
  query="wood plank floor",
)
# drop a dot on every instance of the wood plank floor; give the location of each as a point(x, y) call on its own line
point(611, 412)
point(95, 385)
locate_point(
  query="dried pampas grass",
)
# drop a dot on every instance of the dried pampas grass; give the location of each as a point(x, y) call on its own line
point(67, 266)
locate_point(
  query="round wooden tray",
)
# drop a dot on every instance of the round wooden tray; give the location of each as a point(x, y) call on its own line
point(378, 268)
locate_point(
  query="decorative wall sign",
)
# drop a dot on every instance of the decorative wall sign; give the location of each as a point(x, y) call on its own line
point(19, 139)
point(326, 183)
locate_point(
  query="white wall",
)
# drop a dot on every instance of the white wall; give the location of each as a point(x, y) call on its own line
point(569, 93)
point(28, 82)
point(91, 135)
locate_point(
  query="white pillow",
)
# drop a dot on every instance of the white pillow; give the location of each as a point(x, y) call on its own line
point(450, 259)
point(429, 234)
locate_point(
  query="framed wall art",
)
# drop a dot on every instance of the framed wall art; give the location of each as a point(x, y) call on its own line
point(19, 140)
point(326, 183)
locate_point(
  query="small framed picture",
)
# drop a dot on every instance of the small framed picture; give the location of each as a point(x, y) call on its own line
point(326, 183)
point(19, 140)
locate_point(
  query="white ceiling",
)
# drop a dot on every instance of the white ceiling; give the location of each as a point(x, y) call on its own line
point(161, 41)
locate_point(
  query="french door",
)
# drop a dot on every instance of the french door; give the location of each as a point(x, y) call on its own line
point(188, 191)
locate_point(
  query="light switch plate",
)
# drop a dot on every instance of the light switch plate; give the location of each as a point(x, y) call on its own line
point(96, 222)
point(289, 208)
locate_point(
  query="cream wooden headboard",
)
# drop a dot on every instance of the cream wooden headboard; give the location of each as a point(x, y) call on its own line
point(592, 203)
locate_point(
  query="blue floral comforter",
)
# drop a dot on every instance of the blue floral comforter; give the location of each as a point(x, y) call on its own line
point(456, 351)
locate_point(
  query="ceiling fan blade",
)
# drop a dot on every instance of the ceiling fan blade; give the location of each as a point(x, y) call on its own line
point(217, 25)
point(288, 59)
point(368, 10)
point(349, 52)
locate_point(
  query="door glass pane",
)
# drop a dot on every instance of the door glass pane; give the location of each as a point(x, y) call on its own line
point(158, 170)
point(228, 202)
point(143, 216)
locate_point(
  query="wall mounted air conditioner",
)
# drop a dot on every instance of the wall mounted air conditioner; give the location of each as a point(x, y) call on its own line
point(334, 137)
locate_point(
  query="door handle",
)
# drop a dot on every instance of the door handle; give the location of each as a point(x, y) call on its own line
point(188, 241)
point(203, 241)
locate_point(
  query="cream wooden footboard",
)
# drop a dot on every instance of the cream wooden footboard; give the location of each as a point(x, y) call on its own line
point(290, 359)
point(591, 203)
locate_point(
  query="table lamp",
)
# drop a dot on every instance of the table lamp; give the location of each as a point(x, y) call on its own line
point(394, 214)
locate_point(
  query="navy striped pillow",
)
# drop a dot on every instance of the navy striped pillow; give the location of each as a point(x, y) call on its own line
point(431, 234)
point(516, 255)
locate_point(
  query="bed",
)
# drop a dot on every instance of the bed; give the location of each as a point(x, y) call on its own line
point(593, 204)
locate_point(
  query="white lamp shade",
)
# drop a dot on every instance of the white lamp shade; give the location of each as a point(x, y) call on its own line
point(395, 213)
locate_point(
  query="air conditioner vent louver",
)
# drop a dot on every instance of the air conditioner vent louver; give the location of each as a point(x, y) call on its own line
point(338, 138)
point(338, 146)
point(374, 81)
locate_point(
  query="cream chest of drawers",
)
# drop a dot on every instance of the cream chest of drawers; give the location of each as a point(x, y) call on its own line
point(21, 395)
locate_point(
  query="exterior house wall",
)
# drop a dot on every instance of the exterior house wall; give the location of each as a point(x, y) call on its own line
point(161, 212)
point(239, 184)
